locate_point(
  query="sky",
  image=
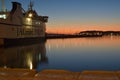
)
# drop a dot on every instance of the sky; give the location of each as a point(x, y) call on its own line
point(73, 16)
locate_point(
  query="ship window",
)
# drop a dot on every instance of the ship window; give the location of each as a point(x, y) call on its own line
point(28, 19)
point(3, 16)
point(37, 22)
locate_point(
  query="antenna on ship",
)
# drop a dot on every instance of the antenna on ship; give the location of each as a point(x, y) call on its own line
point(30, 5)
point(3, 5)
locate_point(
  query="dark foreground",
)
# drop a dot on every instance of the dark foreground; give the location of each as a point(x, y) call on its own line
point(26, 74)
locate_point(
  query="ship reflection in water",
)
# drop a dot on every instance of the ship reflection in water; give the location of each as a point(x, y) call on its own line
point(74, 54)
point(28, 56)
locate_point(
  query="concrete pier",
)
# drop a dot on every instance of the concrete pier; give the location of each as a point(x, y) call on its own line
point(26, 74)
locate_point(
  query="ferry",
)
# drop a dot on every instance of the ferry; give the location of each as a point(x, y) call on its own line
point(18, 26)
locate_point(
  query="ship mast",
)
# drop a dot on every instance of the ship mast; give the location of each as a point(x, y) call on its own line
point(3, 5)
point(30, 5)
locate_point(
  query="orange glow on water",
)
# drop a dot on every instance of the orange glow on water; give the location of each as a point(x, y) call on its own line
point(101, 42)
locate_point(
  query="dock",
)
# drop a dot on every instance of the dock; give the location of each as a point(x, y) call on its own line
point(26, 74)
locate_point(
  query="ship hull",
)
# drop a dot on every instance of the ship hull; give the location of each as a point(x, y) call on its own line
point(5, 42)
point(12, 35)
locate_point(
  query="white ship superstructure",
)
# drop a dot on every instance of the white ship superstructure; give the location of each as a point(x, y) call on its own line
point(19, 23)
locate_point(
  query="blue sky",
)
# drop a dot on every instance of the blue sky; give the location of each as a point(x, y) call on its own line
point(76, 14)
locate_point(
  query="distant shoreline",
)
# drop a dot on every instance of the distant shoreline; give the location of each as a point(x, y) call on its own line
point(87, 34)
point(71, 36)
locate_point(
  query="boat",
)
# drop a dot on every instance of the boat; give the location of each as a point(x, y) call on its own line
point(18, 26)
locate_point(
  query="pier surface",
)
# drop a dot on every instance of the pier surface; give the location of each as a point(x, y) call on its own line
point(26, 74)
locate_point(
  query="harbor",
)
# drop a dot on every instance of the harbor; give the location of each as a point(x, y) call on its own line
point(81, 41)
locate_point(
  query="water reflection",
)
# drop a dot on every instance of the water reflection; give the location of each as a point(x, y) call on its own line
point(28, 56)
point(78, 54)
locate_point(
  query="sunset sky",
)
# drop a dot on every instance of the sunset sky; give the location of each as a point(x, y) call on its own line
point(72, 16)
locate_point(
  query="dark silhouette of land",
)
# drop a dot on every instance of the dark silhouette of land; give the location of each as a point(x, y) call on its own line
point(92, 33)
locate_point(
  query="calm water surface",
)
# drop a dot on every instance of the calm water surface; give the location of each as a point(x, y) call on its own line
point(76, 54)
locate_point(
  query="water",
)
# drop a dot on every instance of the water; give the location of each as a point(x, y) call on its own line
point(75, 54)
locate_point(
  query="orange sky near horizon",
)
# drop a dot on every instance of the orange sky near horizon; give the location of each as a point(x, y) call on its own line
point(73, 16)
point(77, 29)
point(83, 15)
